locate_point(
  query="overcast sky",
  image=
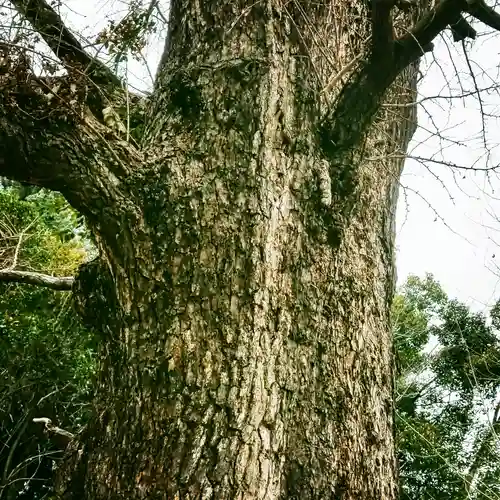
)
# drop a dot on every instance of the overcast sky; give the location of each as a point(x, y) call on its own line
point(446, 223)
point(448, 226)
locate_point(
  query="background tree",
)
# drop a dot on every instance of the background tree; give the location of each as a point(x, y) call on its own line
point(245, 240)
point(447, 395)
point(46, 357)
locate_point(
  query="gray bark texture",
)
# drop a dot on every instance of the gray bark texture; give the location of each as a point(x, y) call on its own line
point(246, 266)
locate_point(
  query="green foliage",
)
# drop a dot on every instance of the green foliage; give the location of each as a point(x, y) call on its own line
point(448, 373)
point(46, 357)
point(469, 358)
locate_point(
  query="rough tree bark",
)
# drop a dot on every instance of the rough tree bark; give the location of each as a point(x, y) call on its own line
point(246, 244)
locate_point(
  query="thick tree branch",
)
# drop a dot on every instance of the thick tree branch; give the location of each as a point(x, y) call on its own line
point(349, 118)
point(347, 121)
point(419, 40)
point(382, 29)
point(74, 155)
point(30, 278)
point(49, 138)
point(483, 13)
point(48, 23)
point(446, 12)
point(461, 30)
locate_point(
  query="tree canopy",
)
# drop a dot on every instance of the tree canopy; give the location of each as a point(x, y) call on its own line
point(447, 395)
point(47, 358)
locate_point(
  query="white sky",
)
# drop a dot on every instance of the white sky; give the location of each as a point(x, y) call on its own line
point(458, 244)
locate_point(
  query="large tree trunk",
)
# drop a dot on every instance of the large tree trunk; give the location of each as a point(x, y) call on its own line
point(246, 259)
point(249, 356)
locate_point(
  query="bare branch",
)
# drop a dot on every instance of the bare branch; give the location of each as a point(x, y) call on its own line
point(18, 246)
point(30, 278)
point(487, 441)
point(64, 437)
point(337, 76)
point(16, 253)
point(48, 23)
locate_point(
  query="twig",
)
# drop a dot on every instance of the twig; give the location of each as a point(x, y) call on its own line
point(52, 429)
point(18, 246)
point(336, 77)
point(13, 449)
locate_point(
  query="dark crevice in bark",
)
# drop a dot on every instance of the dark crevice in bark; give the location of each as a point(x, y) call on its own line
point(94, 295)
